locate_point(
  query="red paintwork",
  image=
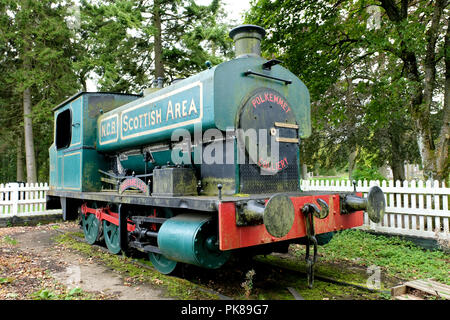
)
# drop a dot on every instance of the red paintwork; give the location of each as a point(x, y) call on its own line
point(233, 237)
point(105, 214)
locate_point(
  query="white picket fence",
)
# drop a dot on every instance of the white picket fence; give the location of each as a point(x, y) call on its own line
point(22, 199)
point(413, 208)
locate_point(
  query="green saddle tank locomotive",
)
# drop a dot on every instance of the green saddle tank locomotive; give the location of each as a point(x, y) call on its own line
point(202, 168)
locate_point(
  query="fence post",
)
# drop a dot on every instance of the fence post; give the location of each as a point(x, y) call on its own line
point(44, 196)
point(436, 206)
point(14, 198)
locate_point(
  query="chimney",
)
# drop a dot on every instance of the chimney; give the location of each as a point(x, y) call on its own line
point(247, 40)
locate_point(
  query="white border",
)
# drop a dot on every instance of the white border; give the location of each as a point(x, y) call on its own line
point(81, 122)
point(175, 125)
point(100, 130)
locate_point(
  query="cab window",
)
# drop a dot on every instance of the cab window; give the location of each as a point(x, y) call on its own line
point(63, 129)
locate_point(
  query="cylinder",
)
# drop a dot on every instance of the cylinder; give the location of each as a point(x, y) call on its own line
point(253, 212)
point(277, 214)
point(355, 203)
point(191, 238)
point(247, 40)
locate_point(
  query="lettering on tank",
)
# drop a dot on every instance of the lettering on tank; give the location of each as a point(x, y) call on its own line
point(174, 109)
point(269, 96)
point(109, 129)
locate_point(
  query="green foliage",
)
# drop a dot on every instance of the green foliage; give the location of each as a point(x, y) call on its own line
point(248, 283)
point(38, 55)
point(360, 90)
point(366, 173)
point(397, 257)
point(11, 241)
point(75, 292)
point(44, 294)
point(116, 41)
point(6, 280)
point(61, 294)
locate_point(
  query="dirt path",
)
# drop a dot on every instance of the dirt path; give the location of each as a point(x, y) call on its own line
point(59, 265)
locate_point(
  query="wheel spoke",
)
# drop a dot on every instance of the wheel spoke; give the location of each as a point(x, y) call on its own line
point(111, 237)
point(90, 228)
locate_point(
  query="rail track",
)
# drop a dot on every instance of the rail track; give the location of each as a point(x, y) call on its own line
point(322, 278)
point(229, 279)
point(139, 264)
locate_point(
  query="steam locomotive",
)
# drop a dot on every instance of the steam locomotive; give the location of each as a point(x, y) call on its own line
point(200, 169)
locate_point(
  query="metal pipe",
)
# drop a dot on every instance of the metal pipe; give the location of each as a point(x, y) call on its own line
point(160, 82)
point(247, 40)
point(151, 234)
point(123, 230)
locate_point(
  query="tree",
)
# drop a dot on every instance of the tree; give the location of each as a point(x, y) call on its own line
point(327, 42)
point(38, 44)
point(44, 59)
point(409, 24)
point(129, 43)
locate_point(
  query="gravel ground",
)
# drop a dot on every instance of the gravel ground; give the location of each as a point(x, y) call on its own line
point(34, 266)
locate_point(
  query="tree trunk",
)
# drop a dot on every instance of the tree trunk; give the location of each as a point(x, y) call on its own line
point(422, 98)
point(304, 172)
point(159, 68)
point(442, 161)
point(396, 158)
point(19, 166)
point(398, 170)
point(83, 84)
point(351, 163)
point(29, 143)
point(421, 112)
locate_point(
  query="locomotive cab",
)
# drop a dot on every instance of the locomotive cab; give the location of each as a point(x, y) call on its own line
point(74, 160)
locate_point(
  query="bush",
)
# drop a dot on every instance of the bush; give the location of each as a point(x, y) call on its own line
point(367, 174)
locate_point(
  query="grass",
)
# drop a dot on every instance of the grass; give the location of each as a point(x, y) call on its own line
point(6, 280)
point(8, 240)
point(396, 257)
point(343, 178)
point(72, 294)
point(346, 258)
point(22, 208)
point(174, 287)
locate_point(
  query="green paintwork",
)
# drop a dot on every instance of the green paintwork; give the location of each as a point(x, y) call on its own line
point(111, 233)
point(91, 228)
point(223, 89)
point(75, 168)
point(247, 40)
point(133, 129)
point(232, 88)
point(161, 263)
point(189, 238)
point(324, 238)
point(220, 92)
point(209, 186)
